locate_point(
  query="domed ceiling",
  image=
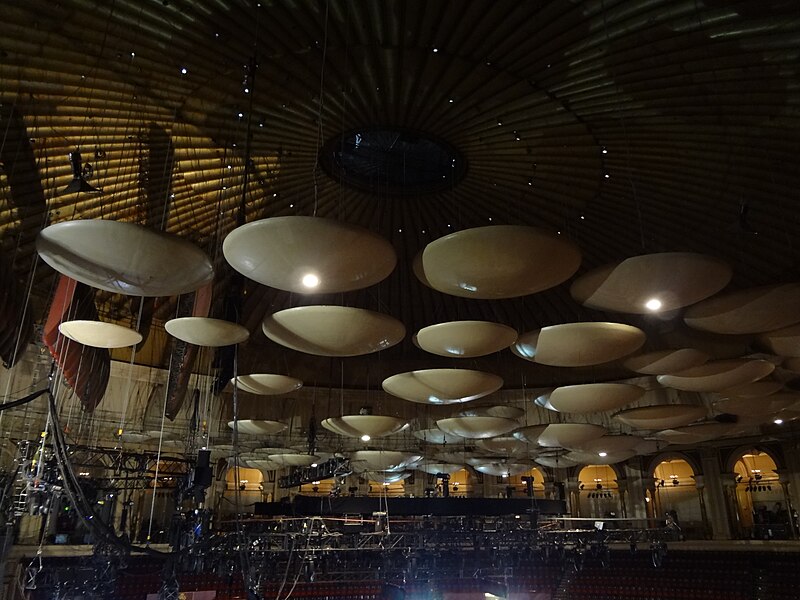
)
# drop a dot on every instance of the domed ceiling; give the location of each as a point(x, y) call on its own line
point(626, 128)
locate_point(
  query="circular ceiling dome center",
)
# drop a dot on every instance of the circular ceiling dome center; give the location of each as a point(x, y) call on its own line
point(392, 161)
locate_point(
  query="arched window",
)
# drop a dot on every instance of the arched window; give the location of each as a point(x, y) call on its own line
point(762, 507)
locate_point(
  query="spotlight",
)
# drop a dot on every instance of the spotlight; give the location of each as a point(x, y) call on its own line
point(778, 421)
point(602, 454)
point(79, 183)
point(365, 438)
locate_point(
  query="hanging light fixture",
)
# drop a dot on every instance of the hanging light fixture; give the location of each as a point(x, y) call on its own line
point(79, 183)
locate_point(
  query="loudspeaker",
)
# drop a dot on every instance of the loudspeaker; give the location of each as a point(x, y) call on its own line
point(202, 471)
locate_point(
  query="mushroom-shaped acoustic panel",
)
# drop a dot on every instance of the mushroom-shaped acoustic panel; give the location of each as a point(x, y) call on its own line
point(506, 445)
point(591, 458)
point(555, 459)
point(99, 334)
point(664, 362)
point(293, 459)
point(590, 397)
point(791, 364)
point(438, 467)
point(661, 416)
point(364, 426)
point(501, 468)
point(267, 384)
point(530, 433)
point(333, 330)
point(477, 427)
point(579, 344)
point(124, 258)
point(437, 436)
point(757, 389)
point(442, 386)
point(203, 331)
point(501, 410)
point(254, 427)
point(748, 407)
point(784, 342)
point(608, 444)
point(695, 434)
point(568, 435)
point(382, 460)
point(652, 282)
point(753, 310)
point(309, 255)
point(502, 261)
point(386, 476)
point(465, 339)
point(718, 375)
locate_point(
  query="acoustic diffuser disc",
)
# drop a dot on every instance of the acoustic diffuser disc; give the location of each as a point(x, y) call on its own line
point(661, 416)
point(382, 460)
point(358, 426)
point(784, 342)
point(591, 458)
point(124, 258)
point(567, 435)
point(438, 467)
point(506, 445)
point(718, 375)
point(579, 344)
point(309, 255)
point(502, 410)
point(530, 433)
point(437, 436)
point(477, 427)
point(748, 407)
point(333, 330)
point(442, 386)
point(267, 384)
point(465, 339)
point(664, 362)
point(608, 444)
point(203, 331)
point(652, 282)
point(753, 310)
point(293, 459)
point(590, 397)
point(254, 427)
point(99, 334)
point(502, 261)
point(386, 476)
point(696, 434)
point(500, 468)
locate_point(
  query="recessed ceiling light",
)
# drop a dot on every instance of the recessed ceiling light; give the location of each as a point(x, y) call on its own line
point(653, 304)
point(778, 421)
point(365, 438)
point(602, 454)
point(310, 280)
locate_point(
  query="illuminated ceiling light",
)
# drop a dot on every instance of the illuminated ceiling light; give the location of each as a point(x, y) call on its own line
point(310, 280)
point(365, 438)
point(653, 304)
point(184, 71)
point(778, 421)
point(602, 454)
point(314, 465)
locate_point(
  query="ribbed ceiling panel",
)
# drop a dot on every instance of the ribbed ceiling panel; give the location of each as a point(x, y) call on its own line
point(628, 127)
